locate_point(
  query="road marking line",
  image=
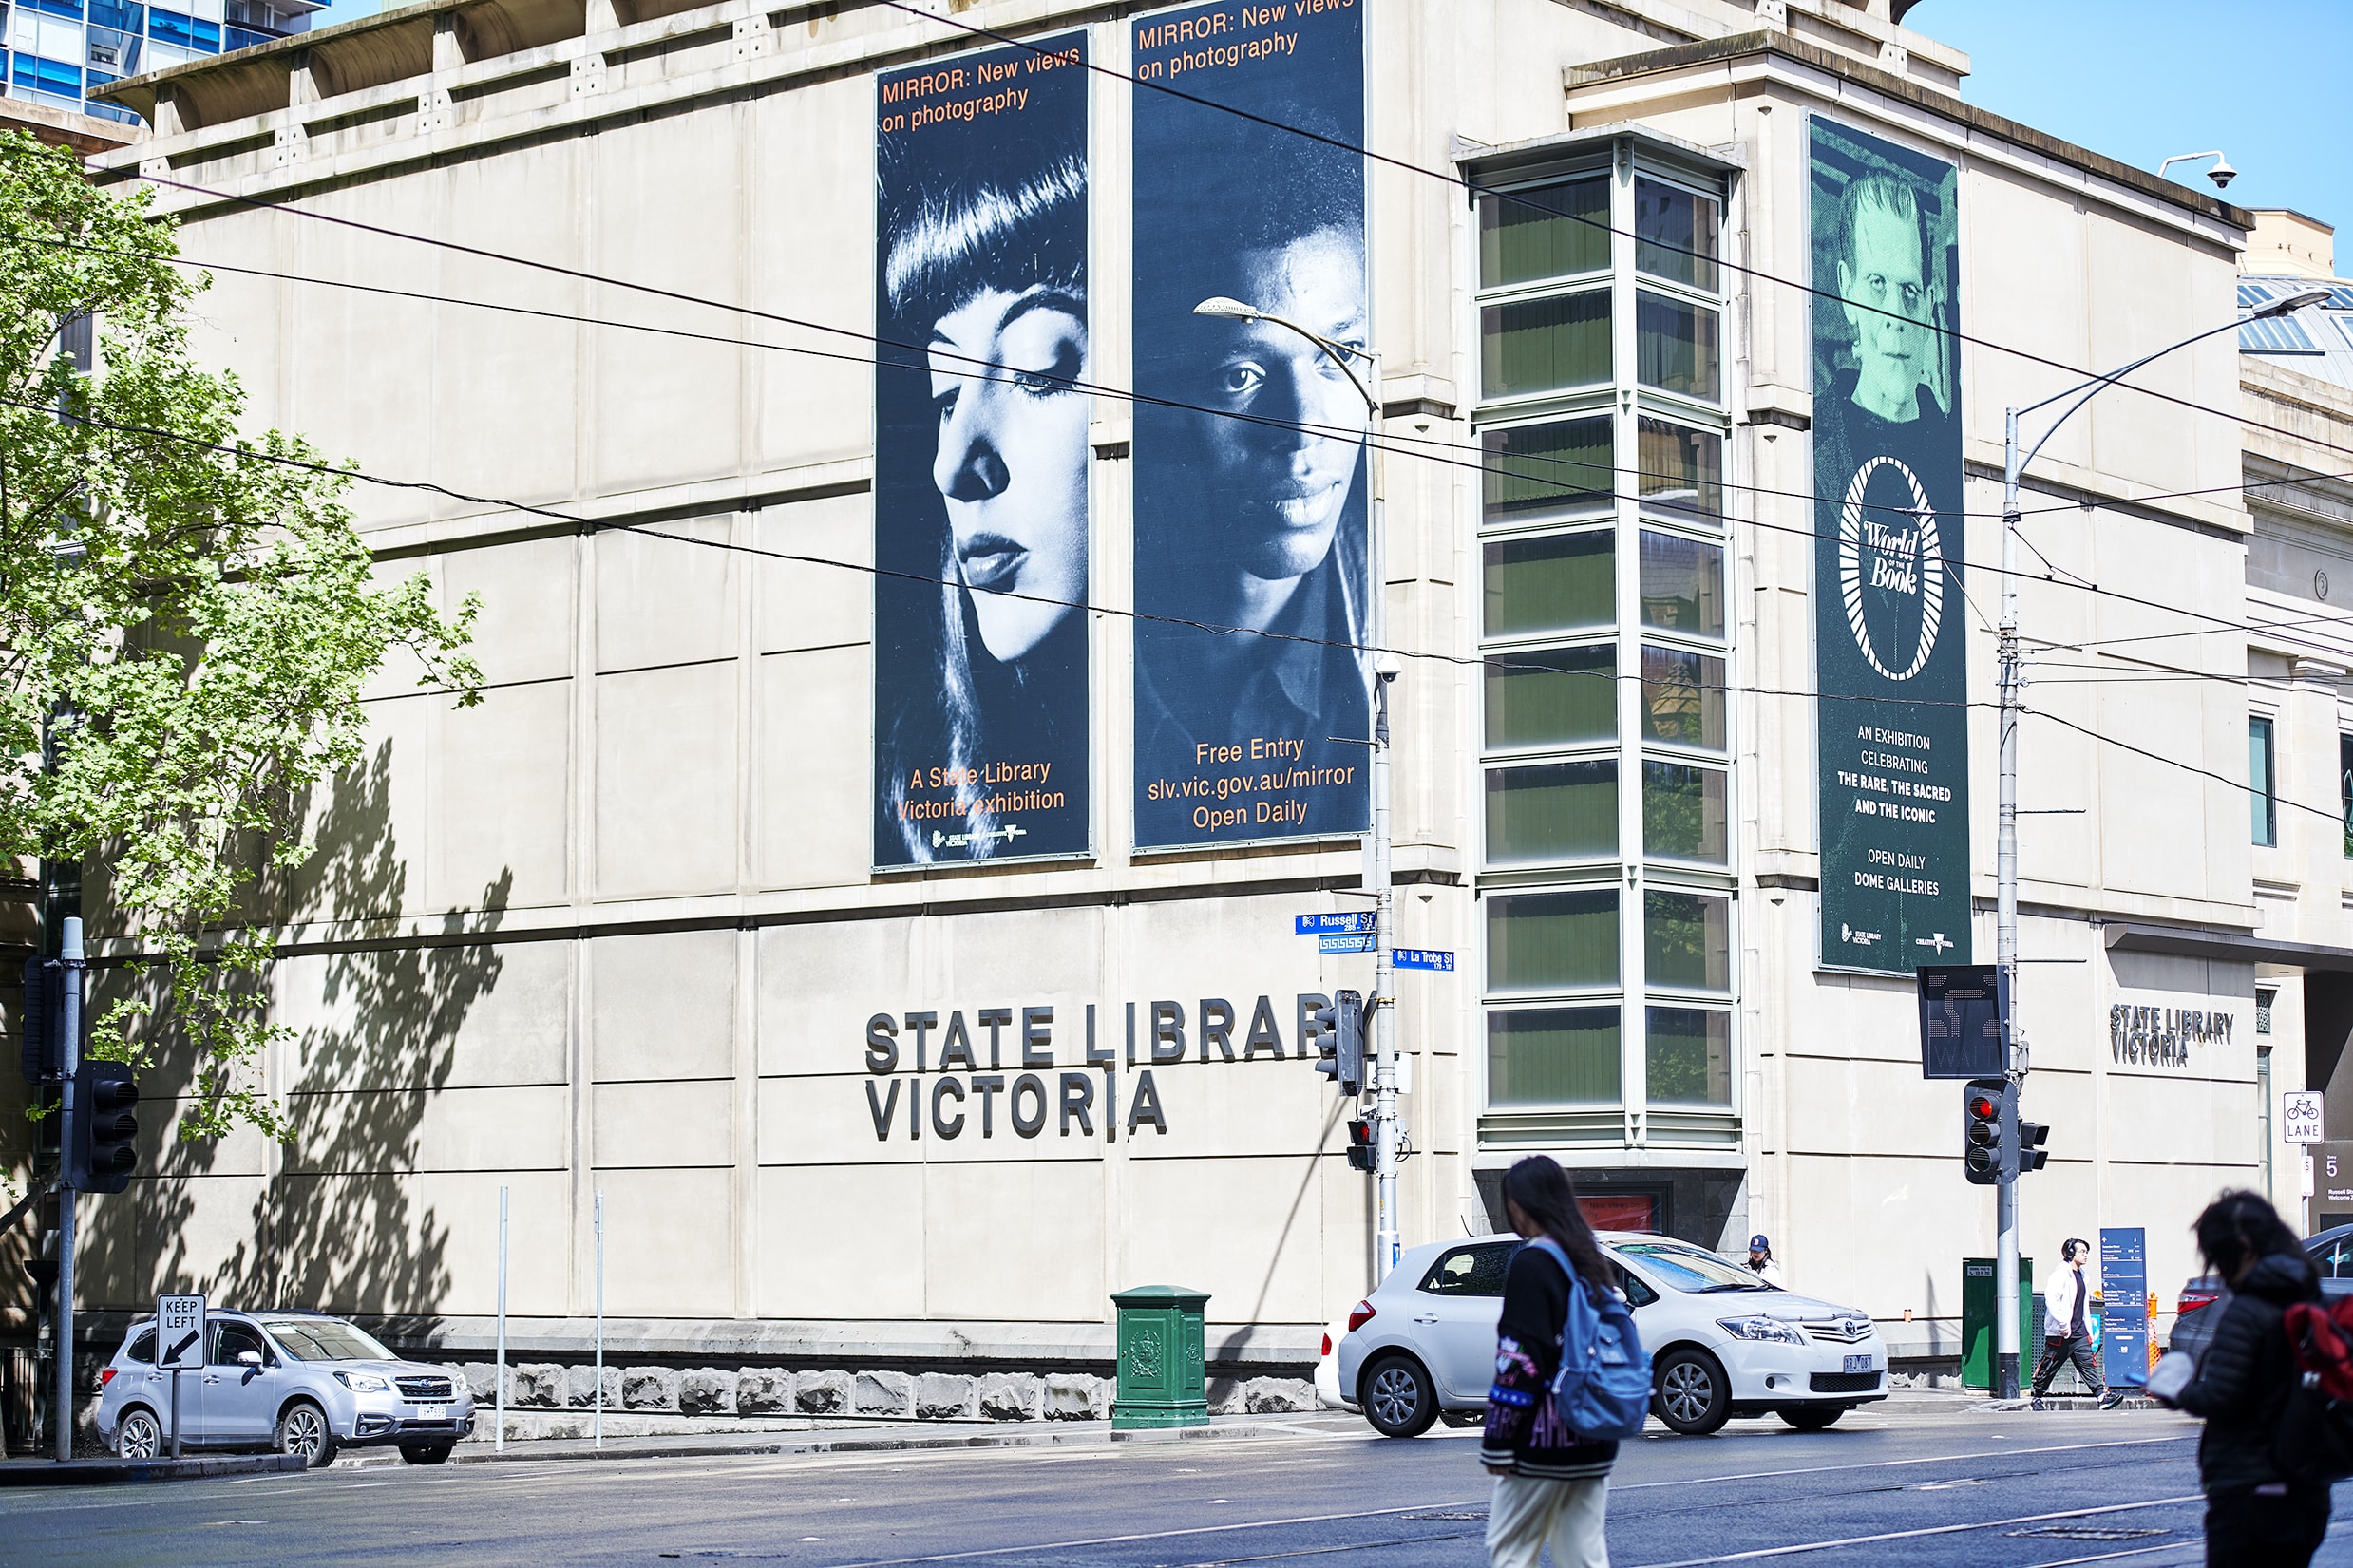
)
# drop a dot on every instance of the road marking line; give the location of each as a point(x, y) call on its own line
point(1153, 1535)
point(1930, 1530)
point(1884, 1463)
point(2135, 1552)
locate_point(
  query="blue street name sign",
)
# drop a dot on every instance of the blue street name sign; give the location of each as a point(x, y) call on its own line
point(1315, 925)
point(1347, 943)
point(1423, 958)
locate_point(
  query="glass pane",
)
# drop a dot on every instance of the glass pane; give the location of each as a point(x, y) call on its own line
point(1533, 468)
point(1682, 585)
point(1683, 697)
point(1566, 811)
point(1557, 585)
point(1682, 812)
point(2259, 779)
point(1682, 469)
point(1558, 697)
point(1553, 1056)
point(1541, 345)
point(1688, 1057)
point(1675, 347)
point(1687, 940)
point(1549, 941)
point(1674, 234)
point(1548, 231)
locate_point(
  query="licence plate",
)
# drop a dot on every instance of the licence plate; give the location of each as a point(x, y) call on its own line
point(441, 1412)
point(1858, 1363)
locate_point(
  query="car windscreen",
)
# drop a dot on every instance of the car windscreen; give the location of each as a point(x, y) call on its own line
point(1689, 1268)
point(324, 1339)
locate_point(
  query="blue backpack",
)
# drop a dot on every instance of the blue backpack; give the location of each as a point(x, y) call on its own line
point(1602, 1391)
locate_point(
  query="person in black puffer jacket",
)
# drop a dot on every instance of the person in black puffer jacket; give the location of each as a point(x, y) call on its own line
point(2254, 1516)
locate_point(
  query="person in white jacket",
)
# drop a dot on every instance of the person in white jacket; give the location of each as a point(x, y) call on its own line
point(2066, 1327)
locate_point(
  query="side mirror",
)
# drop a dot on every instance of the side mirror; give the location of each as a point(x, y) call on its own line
point(249, 1358)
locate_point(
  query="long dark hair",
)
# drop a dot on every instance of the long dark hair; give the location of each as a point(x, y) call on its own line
point(2238, 1228)
point(1542, 1190)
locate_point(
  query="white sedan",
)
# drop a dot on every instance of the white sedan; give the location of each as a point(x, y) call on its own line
point(1722, 1343)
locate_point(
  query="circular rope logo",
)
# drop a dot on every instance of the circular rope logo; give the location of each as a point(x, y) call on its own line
point(1905, 563)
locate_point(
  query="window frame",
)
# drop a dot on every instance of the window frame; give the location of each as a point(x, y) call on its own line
point(2263, 795)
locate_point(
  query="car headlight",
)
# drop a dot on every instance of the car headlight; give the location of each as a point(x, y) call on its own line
point(459, 1388)
point(364, 1383)
point(1762, 1327)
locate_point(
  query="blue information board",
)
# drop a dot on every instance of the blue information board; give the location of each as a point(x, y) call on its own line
point(1430, 958)
point(1315, 925)
point(2124, 1298)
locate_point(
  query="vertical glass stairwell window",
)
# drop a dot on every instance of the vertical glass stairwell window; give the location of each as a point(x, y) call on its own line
point(1604, 619)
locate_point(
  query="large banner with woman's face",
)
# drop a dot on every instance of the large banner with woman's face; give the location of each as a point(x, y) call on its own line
point(1252, 684)
point(980, 457)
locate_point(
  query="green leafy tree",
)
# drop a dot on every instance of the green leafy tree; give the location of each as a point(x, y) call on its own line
point(187, 619)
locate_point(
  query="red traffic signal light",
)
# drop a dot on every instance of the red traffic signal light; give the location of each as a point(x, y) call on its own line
point(1360, 1145)
point(1980, 1131)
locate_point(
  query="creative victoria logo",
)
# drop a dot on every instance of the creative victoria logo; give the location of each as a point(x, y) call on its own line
point(1890, 574)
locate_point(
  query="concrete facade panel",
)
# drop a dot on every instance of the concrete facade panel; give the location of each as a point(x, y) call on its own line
point(480, 1128)
point(1242, 1229)
point(505, 765)
point(666, 785)
point(813, 768)
point(800, 605)
point(663, 1125)
point(661, 600)
point(450, 1018)
point(811, 1025)
point(663, 1006)
point(528, 592)
point(670, 1243)
point(1048, 1268)
point(810, 251)
point(842, 1241)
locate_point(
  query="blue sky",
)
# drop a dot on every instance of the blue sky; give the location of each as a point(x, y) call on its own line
point(2266, 81)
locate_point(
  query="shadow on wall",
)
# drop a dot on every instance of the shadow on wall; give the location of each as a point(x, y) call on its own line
point(340, 1225)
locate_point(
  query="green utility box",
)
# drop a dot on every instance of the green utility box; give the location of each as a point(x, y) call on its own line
point(1976, 1322)
point(1161, 1373)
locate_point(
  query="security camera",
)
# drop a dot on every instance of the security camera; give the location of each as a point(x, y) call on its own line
point(1387, 665)
point(2222, 174)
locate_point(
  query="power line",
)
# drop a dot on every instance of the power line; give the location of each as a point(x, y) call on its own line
point(987, 371)
point(1466, 184)
point(2187, 768)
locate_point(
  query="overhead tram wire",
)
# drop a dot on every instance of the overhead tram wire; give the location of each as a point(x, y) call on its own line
point(591, 524)
point(986, 369)
point(598, 525)
point(1464, 184)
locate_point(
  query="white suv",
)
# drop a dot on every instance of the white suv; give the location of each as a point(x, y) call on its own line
point(301, 1383)
point(1722, 1343)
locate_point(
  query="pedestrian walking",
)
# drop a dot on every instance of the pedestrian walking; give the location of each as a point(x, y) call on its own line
point(1551, 1485)
point(1761, 1262)
point(2067, 1330)
point(2255, 1516)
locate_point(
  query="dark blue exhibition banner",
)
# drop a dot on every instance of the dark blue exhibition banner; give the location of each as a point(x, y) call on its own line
point(1252, 683)
point(2124, 1306)
point(981, 457)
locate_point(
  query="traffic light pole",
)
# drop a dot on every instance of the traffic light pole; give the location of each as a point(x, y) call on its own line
point(70, 1032)
point(1386, 1231)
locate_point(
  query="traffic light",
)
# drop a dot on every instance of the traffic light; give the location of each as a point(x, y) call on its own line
point(99, 1155)
point(1360, 1145)
point(1344, 1059)
point(45, 1006)
point(2031, 1154)
point(1981, 1104)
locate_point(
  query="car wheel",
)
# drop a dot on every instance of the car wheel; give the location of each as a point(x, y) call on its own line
point(140, 1436)
point(1810, 1417)
point(1692, 1394)
point(425, 1453)
point(303, 1430)
point(1397, 1397)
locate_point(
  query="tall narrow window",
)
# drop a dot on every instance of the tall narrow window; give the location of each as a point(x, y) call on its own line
point(2263, 780)
point(2344, 787)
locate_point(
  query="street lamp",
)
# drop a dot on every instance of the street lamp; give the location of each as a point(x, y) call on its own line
point(1386, 1239)
point(2005, 863)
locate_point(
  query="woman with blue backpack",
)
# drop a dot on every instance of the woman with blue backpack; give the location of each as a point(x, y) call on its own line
point(1570, 1381)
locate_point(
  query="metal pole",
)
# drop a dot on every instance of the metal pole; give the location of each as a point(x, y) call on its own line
point(175, 1413)
point(601, 1317)
point(69, 1030)
point(2005, 920)
point(1386, 1238)
point(499, 1441)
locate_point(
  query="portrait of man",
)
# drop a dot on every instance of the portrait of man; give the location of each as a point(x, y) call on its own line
point(1252, 574)
point(1895, 396)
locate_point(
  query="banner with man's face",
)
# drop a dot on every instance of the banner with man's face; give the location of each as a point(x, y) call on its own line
point(980, 457)
point(1890, 635)
point(1252, 679)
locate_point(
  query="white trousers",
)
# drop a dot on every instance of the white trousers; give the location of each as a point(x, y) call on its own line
point(1526, 1515)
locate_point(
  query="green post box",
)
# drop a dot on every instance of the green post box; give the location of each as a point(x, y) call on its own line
point(1976, 1322)
point(1161, 1375)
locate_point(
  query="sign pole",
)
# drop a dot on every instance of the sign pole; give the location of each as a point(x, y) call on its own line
point(175, 1413)
point(2005, 920)
point(70, 1059)
point(1386, 1239)
point(498, 1442)
point(599, 1317)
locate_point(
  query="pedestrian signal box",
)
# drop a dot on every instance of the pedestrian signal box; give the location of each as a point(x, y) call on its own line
point(1360, 1145)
